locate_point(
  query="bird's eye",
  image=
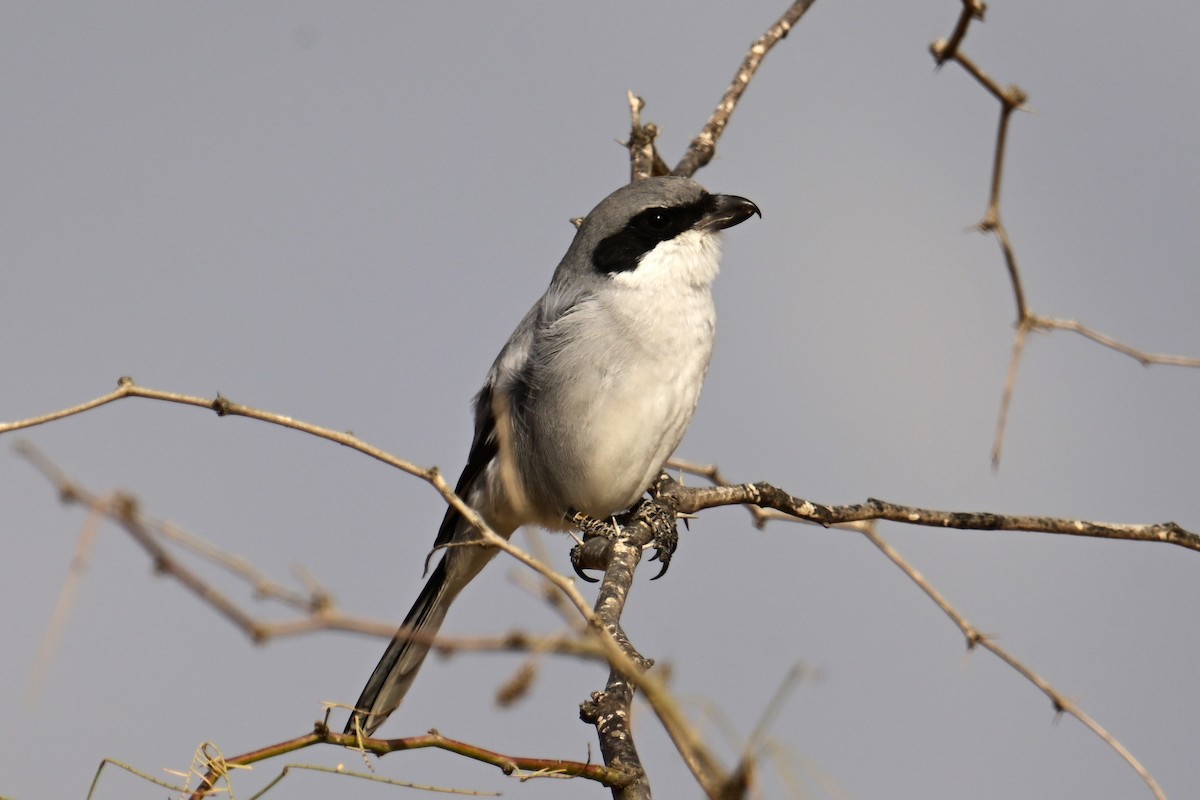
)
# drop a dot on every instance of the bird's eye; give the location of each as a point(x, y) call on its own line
point(656, 219)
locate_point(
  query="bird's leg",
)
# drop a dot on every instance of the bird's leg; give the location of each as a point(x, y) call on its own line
point(661, 520)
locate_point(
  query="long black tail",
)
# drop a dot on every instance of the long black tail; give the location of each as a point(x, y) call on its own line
point(396, 670)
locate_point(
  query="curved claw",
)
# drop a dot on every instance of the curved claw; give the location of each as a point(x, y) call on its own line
point(575, 558)
point(666, 562)
point(579, 571)
point(664, 549)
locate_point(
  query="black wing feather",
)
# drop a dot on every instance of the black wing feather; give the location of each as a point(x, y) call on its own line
point(484, 448)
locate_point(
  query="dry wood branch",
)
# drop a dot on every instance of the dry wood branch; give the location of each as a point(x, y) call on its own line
point(1144, 358)
point(682, 499)
point(688, 500)
point(509, 765)
point(1013, 98)
point(66, 599)
point(704, 146)
point(1010, 383)
point(153, 534)
point(657, 696)
point(852, 517)
point(644, 160)
point(126, 387)
point(971, 10)
point(976, 638)
point(610, 710)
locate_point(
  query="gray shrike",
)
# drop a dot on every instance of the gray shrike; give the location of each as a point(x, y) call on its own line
point(587, 399)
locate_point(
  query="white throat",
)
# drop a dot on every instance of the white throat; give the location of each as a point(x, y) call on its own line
point(691, 259)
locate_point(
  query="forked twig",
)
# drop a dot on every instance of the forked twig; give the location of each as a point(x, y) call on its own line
point(848, 517)
point(976, 638)
point(1013, 98)
point(704, 146)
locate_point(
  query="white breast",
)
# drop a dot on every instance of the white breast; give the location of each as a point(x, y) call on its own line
point(645, 347)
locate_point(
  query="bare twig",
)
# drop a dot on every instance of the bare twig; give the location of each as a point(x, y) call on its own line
point(66, 599)
point(610, 710)
point(126, 387)
point(971, 10)
point(704, 146)
point(860, 519)
point(1141, 356)
point(684, 499)
point(654, 690)
point(692, 499)
point(976, 638)
point(1013, 98)
point(507, 764)
point(150, 534)
point(124, 510)
point(644, 160)
point(1010, 383)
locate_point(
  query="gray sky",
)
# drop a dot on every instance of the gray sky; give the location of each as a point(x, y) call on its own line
point(339, 211)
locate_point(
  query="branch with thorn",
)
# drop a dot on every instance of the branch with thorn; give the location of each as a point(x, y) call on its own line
point(1012, 98)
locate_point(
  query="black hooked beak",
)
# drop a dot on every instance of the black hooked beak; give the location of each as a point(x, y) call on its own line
point(726, 210)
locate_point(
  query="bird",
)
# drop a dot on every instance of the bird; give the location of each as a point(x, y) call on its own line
point(586, 400)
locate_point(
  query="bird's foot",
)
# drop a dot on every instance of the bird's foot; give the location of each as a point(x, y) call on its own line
point(661, 520)
point(589, 553)
point(653, 518)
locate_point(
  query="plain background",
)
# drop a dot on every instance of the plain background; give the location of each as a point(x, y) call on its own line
point(339, 212)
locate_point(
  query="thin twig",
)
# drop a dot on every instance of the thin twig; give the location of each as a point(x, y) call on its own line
point(124, 510)
point(1141, 356)
point(66, 599)
point(704, 146)
point(658, 697)
point(126, 387)
point(323, 735)
point(644, 160)
point(688, 500)
point(971, 10)
point(1011, 99)
point(862, 519)
point(1010, 383)
point(975, 638)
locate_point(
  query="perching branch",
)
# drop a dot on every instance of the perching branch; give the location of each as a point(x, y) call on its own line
point(611, 710)
point(657, 696)
point(681, 499)
point(975, 638)
point(688, 500)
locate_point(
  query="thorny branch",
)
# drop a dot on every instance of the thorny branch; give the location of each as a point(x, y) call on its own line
point(652, 687)
point(627, 666)
point(611, 710)
point(704, 146)
point(320, 611)
point(1013, 98)
point(688, 500)
point(682, 500)
point(645, 160)
point(975, 638)
point(218, 769)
